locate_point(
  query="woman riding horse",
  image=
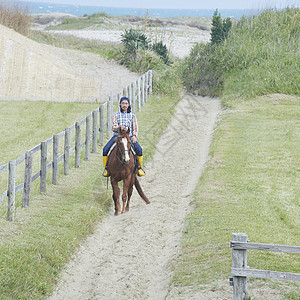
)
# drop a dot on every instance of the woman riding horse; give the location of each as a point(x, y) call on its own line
point(124, 119)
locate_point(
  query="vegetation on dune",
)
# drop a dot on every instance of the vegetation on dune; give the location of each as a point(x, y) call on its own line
point(82, 22)
point(140, 55)
point(260, 56)
point(15, 16)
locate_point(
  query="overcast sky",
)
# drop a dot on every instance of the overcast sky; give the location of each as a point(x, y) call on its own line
point(188, 4)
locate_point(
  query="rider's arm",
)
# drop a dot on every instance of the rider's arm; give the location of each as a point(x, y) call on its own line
point(115, 124)
point(135, 128)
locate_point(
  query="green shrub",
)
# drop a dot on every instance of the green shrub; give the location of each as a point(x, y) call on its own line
point(133, 41)
point(137, 46)
point(220, 29)
point(144, 61)
point(166, 81)
point(162, 50)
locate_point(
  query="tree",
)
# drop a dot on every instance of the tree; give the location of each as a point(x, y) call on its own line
point(220, 29)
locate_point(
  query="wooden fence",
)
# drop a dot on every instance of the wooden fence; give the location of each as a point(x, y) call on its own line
point(240, 270)
point(137, 92)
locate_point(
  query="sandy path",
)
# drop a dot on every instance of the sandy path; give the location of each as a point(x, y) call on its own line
point(128, 257)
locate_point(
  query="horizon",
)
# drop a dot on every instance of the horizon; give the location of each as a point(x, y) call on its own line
point(176, 4)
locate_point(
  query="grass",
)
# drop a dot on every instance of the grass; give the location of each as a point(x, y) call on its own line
point(81, 23)
point(35, 248)
point(260, 56)
point(106, 50)
point(251, 184)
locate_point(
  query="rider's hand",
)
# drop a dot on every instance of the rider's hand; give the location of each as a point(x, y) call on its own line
point(134, 140)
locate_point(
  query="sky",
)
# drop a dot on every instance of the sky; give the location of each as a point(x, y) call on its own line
point(181, 4)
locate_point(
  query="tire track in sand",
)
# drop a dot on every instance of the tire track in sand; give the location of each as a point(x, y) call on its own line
point(129, 256)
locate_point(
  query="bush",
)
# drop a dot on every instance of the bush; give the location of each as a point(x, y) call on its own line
point(15, 17)
point(220, 29)
point(162, 50)
point(137, 47)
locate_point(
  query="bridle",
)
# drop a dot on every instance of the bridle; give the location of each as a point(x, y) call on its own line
point(122, 151)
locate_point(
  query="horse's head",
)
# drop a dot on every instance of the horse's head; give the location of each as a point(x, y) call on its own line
point(123, 144)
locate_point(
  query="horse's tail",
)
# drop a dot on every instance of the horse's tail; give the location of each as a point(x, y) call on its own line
point(140, 191)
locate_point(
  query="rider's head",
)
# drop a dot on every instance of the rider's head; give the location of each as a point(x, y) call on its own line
point(125, 105)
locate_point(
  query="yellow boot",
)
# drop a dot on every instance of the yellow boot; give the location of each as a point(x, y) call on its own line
point(140, 170)
point(105, 173)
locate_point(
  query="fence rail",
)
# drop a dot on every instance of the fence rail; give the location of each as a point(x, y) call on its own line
point(95, 125)
point(240, 270)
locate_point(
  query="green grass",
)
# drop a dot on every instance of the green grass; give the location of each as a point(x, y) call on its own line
point(24, 124)
point(251, 184)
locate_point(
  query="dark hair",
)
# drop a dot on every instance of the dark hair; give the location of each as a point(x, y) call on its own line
point(124, 98)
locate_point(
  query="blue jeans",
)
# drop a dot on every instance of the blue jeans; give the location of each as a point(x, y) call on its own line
point(136, 147)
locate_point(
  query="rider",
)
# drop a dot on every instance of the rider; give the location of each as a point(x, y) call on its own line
point(124, 119)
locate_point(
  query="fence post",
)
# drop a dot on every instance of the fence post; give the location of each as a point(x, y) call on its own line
point(77, 145)
point(150, 82)
point(132, 99)
point(146, 86)
point(43, 179)
point(55, 159)
point(67, 151)
point(27, 178)
point(138, 94)
point(129, 92)
point(109, 118)
point(239, 260)
point(101, 131)
point(94, 139)
point(142, 90)
point(119, 95)
point(87, 137)
point(11, 191)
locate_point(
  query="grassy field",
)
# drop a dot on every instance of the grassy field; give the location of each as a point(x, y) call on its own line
point(251, 184)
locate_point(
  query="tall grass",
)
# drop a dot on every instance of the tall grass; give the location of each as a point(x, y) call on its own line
point(260, 56)
point(15, 16)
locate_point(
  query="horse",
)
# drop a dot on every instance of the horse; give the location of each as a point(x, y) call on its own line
point(121, 166)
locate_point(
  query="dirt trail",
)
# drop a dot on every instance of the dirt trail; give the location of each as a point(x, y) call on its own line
point(129, 256)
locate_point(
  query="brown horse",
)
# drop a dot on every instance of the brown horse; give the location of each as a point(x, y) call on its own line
point(121, 166)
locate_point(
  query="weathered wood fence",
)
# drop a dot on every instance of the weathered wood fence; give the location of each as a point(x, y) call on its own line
point(240, 270)
point(95, 124)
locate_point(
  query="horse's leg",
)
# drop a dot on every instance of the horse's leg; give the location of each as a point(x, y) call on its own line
point(130, 190)
point(126, 184)
point(116, 195)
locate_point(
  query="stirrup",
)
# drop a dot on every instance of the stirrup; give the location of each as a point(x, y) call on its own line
point(140, 172)
point(105, 173)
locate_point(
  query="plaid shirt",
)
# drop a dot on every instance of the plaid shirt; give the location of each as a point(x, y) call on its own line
point(128, 120)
